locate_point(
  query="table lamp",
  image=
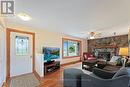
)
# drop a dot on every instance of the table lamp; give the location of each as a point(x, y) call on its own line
point(124, 53)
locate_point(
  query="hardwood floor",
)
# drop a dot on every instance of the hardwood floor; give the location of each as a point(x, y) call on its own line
point(55, 79)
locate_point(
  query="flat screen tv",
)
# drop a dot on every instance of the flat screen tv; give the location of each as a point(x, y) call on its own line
point(51, 53)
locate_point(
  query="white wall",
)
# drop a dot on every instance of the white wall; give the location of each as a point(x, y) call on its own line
point(1, 60)
point(2, 53)
point(39, 64)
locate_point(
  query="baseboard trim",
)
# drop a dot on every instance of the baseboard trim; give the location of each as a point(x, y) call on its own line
point(69, 63)
point(37, 76)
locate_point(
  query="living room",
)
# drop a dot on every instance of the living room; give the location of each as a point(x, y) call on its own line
point(58, 41)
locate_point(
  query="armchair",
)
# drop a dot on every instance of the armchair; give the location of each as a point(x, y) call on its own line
point(88, 56)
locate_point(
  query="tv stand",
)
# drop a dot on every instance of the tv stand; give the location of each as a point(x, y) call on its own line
point(50, 62)
point(51, 66)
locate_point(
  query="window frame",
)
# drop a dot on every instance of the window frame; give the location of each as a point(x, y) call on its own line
point(80, 46)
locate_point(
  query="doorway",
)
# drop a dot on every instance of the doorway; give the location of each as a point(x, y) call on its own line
point(20, 47)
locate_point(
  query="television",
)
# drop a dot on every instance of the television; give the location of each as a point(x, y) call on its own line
point(51, 53)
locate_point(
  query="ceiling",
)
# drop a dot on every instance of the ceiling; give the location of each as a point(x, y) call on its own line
point(75, 17)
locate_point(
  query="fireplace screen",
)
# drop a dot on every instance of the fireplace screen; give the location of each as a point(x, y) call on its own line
point(104, 55)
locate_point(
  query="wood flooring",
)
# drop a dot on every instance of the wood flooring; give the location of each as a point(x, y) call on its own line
point(55, 79)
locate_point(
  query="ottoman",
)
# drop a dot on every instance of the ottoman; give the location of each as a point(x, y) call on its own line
point(72, 77)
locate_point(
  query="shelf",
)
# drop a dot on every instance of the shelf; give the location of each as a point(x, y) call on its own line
point(51, 67)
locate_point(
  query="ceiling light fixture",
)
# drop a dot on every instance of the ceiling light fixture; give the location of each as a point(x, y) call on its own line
point(92, 35)
point(24, 16)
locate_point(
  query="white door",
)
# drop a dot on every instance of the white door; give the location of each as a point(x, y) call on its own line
point(20, 53)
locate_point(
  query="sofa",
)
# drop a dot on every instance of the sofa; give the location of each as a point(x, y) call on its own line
point(93, 81)
point(77, 78)
point(101, 63)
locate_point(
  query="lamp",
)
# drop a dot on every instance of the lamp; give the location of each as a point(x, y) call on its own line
point(124, 53)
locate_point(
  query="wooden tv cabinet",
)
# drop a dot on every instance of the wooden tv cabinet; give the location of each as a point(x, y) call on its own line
point(51, 66)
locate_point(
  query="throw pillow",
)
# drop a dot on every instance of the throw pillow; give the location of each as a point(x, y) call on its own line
point(121, 72)
point(128, 62)
point(119, 62)
point(114, 58)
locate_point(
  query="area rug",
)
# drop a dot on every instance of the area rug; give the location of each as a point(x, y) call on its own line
point(28, 80)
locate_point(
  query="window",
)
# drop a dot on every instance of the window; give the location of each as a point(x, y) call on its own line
point(71, 48)
point(21, 45)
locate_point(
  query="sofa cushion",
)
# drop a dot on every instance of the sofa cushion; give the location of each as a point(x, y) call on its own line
point(119, 62)
point(104, 74)
point(121, 72)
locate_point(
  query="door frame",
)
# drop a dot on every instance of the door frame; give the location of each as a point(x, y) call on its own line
point(8, 32)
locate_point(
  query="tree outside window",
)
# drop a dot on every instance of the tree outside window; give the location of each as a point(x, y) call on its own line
point(71, 48)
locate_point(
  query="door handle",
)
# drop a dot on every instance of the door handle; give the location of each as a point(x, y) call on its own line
point(31, 56)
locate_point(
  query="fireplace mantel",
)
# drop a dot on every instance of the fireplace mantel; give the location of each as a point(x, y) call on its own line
point(109, 46)
point(113, 42)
